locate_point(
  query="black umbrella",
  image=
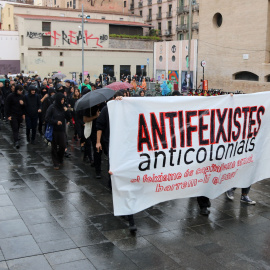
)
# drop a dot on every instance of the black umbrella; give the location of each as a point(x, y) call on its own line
point(93, 98)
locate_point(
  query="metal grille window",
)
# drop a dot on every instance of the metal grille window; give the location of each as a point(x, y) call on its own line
point(46, 41)
point(46, 26)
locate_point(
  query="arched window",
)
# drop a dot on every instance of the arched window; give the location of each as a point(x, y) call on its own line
point(267, 78)
point(246, 76)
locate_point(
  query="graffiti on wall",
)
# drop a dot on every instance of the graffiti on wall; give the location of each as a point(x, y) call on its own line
point(75, 38)
point(33, 35)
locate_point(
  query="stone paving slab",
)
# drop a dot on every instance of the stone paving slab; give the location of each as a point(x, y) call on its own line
point(64, 220)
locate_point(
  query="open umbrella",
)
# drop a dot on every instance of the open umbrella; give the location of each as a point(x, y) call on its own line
point(72, 81)
point(119, 86)
point(93, 98)
point(60, 76)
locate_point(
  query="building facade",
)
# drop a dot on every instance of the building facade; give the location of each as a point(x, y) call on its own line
point(235, 50)
point(169, 17)
point(171, 63)
point(104, 5)
point(51, 40)
point(9, 52)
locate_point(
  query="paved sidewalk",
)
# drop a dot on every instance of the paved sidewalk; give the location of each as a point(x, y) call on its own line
point(64, 220)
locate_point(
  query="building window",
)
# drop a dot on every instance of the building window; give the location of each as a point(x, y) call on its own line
point(124, 71)
point(246, 76)
point(22, 40)
point(170, 27)
point(159, 26)
point(61, 64)
point(140, 70)
point(22, 57)
point(181, 37)
point(39, 53)
point(46, 26)
point(46, 41)
point(125, 3)
point(141, 13)
point(74, 4)
point(217, 19)
point(108, 69)
point(67, 4)
point(61, 54)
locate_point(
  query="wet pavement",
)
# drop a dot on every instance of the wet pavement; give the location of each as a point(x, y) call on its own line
point(64, 220)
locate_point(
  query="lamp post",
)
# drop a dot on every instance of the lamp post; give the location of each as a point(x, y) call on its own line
point(82, 46)
point(189, 42)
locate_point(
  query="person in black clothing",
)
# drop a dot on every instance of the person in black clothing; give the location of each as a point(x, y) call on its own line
point(15, 112)
point(6, 90)
point(103, 134)
point(56, 115)
point(91, 115)
point(32, 111)
point(73, 100)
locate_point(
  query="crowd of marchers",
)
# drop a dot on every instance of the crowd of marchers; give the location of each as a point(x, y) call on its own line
point(41, 103)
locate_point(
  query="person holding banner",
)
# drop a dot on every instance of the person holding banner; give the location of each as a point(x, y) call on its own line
point(244, 196)
point(103, 132)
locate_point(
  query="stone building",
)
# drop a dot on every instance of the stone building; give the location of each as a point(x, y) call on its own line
point(168, 17)
point(104, 5)
point(234, 41)
point(51, 40)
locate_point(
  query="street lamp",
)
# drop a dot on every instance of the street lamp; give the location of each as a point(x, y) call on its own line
point(87, 17)
point(189, 42)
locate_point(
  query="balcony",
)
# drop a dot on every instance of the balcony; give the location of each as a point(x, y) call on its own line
point(169, 15)
point(183, 10)
point(196, 7)
point(182, 28)
point(168, 32)
point(149, 18)
point(159, 1)
point(140, 4)
point(195, 26)
point(131, 7)
point(159, 17)
point(149, 3)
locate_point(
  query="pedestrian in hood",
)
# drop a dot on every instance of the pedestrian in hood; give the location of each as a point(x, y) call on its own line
point(60, 88)
point(32, 110)
point(6, 90)
point(15, 112)
point(56, 115)
point(48, 100)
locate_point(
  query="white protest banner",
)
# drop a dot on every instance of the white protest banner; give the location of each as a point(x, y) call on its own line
point(165, 148)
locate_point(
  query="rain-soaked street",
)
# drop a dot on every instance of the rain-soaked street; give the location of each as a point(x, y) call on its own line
point(64, 220)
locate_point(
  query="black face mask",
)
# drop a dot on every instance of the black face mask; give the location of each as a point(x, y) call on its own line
point(58, 99)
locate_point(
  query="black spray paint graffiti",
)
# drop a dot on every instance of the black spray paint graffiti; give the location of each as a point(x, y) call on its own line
point(103, 38)
point(75, 37)
point(33, 35)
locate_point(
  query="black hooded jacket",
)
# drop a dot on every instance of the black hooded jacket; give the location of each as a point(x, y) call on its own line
point(6, 89)
point(32, 104)
point(57, 113)
point(47, 102)
point(13, 107)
